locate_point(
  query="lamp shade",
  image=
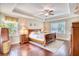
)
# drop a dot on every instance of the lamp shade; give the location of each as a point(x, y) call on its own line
point(23, 31)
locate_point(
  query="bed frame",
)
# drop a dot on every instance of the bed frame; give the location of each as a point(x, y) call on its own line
point(48, 37)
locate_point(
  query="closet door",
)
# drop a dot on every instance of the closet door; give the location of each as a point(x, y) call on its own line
point(75, 39)
point(4, 34)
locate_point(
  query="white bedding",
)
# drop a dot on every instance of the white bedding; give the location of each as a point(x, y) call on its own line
point(38, 36)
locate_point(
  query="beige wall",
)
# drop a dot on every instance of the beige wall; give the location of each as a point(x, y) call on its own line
point(67, 35)
point(24, 22)
point(46, 27)
point(69, 26)
point(31, 24)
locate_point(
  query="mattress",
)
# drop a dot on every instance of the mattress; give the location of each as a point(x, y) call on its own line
point(39, 37)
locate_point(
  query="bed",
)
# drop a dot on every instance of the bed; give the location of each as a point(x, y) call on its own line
point(36, 35)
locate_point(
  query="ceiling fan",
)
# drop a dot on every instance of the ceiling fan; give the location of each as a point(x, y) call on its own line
point(47, 12)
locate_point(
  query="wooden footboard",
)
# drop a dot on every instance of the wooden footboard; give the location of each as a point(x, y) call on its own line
point(38, 41)
point(50, 37)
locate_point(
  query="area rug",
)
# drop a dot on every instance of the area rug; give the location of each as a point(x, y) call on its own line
point(53, 46)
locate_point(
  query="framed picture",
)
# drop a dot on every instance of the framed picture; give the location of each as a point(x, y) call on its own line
point(30, 24)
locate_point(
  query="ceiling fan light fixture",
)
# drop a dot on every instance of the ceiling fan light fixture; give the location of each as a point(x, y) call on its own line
point(48, 12)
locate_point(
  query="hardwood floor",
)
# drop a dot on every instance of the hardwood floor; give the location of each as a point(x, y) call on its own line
point(28, 50)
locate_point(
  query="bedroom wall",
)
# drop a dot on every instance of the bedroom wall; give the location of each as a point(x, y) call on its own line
point(67, 35)
point(69, 26)
point(1, 18)
point(14, 38)
point(46, 27)
point(30, 24)
point(33, 24)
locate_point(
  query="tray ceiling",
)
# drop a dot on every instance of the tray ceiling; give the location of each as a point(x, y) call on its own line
point(35, 10)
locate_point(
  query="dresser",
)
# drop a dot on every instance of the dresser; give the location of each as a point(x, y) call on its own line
point(75, 39)
point(6, 45)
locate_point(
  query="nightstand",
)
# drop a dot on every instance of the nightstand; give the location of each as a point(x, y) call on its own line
point(24, 39)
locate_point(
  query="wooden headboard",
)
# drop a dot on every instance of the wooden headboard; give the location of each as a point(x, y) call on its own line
point(33, 30)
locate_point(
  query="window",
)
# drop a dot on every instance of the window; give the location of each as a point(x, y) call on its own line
point(13, 28)
point(58, 27)
point(12, 25)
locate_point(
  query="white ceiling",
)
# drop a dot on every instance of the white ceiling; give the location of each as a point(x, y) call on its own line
point(34, 10)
